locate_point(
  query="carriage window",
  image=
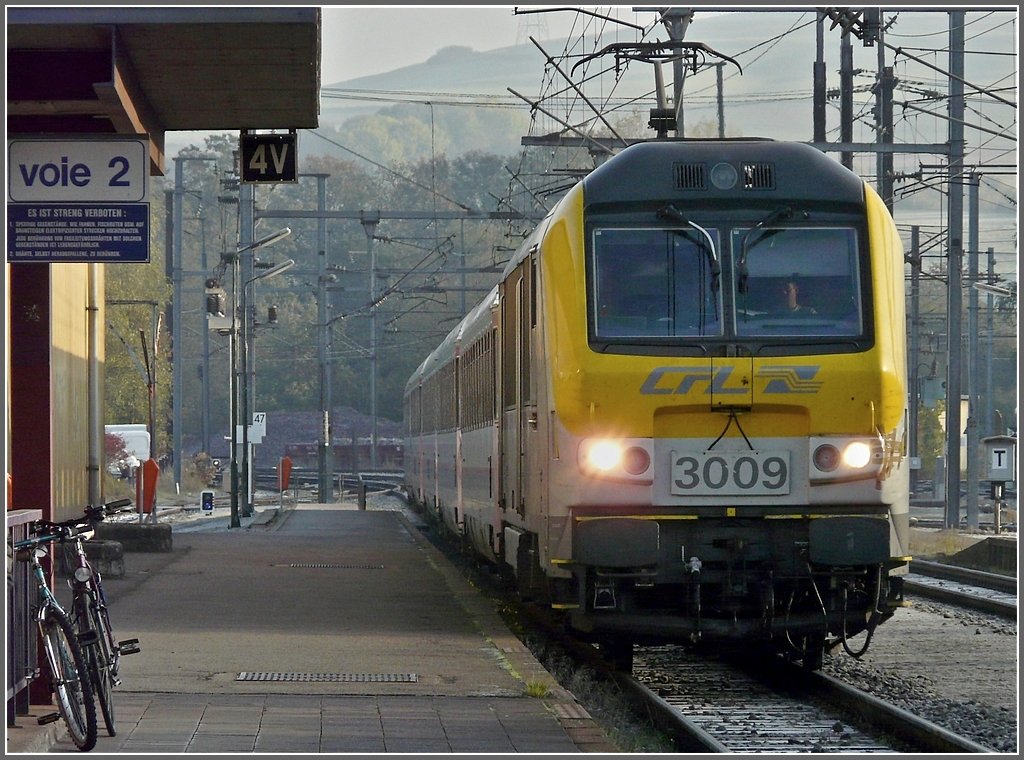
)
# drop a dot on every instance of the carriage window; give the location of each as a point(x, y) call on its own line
point(798, 281)
point(653, 283)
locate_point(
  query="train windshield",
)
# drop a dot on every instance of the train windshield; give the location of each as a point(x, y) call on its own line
point(797, 281)
point(655, 283)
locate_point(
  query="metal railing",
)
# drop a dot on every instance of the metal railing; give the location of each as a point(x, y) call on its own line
point(21, 631)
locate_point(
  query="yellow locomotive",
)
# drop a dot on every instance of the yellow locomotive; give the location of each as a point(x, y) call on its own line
point(680, 415)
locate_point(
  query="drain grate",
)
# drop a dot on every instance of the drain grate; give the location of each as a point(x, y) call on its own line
point(332, 566)
point(329, 677)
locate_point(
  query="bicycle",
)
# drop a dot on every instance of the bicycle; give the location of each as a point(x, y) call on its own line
point(68, 670)
point(89, 609)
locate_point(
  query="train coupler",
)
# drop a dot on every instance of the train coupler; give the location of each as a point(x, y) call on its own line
point(604, 595)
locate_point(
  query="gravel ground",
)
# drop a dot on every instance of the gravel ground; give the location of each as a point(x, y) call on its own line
point(956, 668)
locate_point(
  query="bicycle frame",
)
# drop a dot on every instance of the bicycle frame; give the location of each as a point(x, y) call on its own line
point(86, 579)
point(46, 599)
point(60, 644)
point(90, 613)
point(46, 595)
point(87, 620)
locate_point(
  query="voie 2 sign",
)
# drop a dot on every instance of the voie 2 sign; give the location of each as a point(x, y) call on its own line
point(78, 199)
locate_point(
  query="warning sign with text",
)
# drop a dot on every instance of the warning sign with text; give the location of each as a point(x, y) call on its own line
point(78, 232)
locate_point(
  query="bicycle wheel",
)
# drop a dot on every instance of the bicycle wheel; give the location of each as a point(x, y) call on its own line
point(69, 678)
point(98, 654)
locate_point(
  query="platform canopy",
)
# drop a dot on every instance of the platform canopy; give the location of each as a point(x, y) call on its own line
point(142, 70)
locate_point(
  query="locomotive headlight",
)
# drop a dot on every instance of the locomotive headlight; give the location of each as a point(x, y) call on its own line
point(620, 460)
point(838, 459)
point(636, 460)
point(857, 455)
point(826, 457)
point(603, 456)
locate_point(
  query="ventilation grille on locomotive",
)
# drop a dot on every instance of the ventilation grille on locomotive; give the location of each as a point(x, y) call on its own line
point(759, 176)
point(690, 177)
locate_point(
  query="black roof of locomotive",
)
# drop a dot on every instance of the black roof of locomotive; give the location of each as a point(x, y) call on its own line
point(648, 171)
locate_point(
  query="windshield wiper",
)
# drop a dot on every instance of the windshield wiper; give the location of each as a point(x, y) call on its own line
point(778, 215)
point(671, 213)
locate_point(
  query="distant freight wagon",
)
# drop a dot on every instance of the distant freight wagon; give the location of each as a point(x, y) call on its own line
point(349, 456)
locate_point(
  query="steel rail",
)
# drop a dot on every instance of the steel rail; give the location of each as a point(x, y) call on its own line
point(994, 581)
point(963, 599)
point(929, 736)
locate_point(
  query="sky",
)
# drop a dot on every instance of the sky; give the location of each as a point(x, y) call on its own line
point(361, 40)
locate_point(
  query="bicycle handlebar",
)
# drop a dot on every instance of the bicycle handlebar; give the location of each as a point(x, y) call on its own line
point(97, 513)
point(69, 528)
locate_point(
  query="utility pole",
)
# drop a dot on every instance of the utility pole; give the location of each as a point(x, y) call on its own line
point(846, 97)
point(325, 487)
point(883, 119)
point(370, 221)
point(988, 425)
point(676, 21)
point(177, 275)
point(955, 261)
point(720, 92)
point(177, 401)
point(233, 403)
point(915, 347)
point(819, 81)
point(973, 356)
point(246, 236)
point(204, 368)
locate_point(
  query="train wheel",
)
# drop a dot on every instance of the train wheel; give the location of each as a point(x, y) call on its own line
point(814, 653)
point(618, 652)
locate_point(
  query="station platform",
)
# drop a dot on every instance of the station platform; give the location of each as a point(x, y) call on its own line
point(320, 628)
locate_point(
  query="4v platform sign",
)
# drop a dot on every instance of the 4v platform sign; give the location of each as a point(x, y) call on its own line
point(269, 157)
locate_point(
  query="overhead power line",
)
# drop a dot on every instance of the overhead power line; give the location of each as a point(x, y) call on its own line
point(392, 172)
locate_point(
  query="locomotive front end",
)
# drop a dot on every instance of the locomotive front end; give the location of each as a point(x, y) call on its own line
point(725, 335)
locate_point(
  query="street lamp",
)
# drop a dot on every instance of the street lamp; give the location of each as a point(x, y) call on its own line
point(239, 308)
point(993, 289)
point(246, 413)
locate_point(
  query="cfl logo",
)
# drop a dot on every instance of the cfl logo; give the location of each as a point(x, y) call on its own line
point(679, 381)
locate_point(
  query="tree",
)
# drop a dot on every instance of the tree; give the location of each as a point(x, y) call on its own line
point(931, 439)
point(134, 293)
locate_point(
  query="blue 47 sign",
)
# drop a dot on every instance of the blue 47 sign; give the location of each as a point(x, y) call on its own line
point(268, 157)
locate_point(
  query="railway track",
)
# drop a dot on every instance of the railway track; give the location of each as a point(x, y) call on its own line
point(706, 704)
point(972, 589)
point(712, 705)
point(266, 477)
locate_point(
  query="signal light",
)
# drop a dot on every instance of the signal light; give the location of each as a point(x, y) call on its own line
point(215, 304)
point(215, 298)
point(216, 307)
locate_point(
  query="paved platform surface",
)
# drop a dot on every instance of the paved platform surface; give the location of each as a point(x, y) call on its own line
point(324, 629)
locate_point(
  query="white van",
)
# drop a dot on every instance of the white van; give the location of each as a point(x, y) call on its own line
point(136, 447)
